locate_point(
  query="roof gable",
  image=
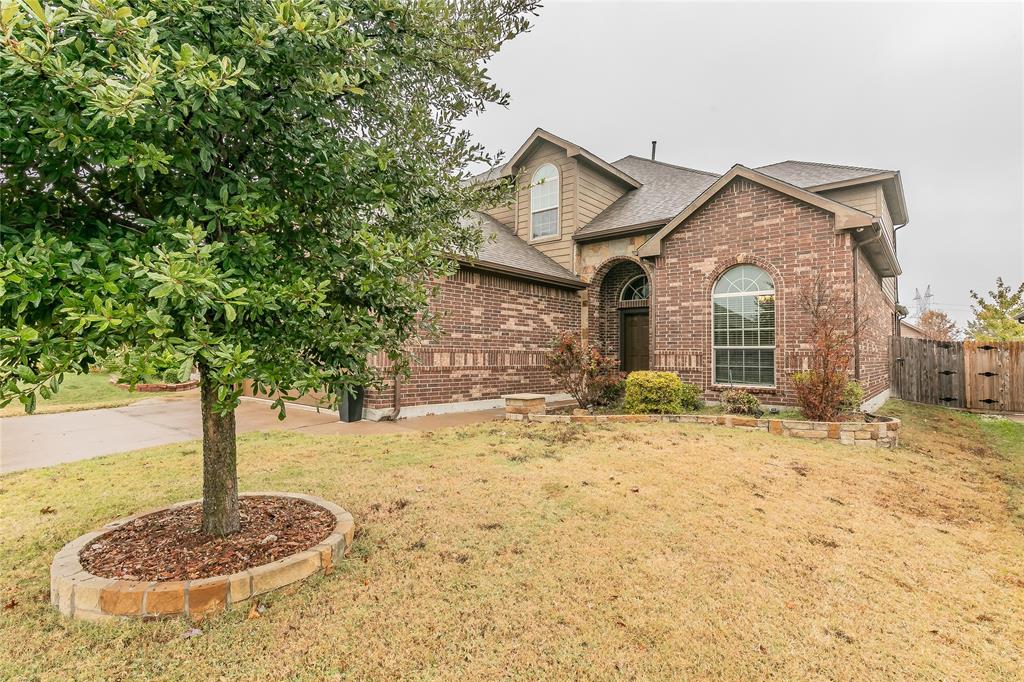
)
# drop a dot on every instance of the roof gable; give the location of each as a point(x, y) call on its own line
point(572, 150)
point(845, 217)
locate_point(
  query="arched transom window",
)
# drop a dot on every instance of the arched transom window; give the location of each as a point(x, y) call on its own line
point(636, 289)
point(544, 202)
point(743, 327)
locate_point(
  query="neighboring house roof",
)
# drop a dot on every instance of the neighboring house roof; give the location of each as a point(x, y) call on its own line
point(666, 190)
point(503, 251)
point(913, 328)
point(573, 150)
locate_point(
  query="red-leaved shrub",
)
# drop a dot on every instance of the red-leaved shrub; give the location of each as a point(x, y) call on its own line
point(820, 390)
point(581, 370)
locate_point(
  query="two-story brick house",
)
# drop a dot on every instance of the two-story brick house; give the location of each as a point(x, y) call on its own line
point(663, 267)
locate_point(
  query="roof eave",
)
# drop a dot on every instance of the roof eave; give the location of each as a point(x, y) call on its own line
point(891, 179)
point(566, 282)
point(878, 249)
point(622, 231)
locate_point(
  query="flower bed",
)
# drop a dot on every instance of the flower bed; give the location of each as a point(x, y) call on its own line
point(875, 431)
point(81, 594)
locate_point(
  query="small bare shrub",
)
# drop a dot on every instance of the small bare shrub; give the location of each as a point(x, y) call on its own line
point(820, 391)
point(582, 371)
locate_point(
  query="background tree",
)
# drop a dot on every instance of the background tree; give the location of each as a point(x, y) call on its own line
point(263, 189)
point(998, 319)
point(938, 326)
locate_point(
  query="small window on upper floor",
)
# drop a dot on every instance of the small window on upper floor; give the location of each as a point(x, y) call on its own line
point(544, 202)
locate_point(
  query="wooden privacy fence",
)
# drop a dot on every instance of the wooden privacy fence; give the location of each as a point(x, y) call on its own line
point(976, 375)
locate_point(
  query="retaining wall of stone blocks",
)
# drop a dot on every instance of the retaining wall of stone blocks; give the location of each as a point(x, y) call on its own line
point(882, 432)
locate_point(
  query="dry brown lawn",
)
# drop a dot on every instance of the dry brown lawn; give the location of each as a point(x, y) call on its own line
point(568, 551)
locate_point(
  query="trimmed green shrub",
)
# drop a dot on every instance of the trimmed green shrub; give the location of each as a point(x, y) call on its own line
point(853, 396)
point(738, 401)
point(690, 397)
point(654, 393)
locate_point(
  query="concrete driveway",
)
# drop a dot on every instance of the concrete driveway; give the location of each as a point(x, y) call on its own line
point(42, 440)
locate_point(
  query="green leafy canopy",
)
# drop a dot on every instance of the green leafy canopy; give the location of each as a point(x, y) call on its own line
point(997, 317)
point(264, 188)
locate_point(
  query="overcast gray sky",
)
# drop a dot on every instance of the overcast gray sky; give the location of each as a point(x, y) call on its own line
point(933, 90)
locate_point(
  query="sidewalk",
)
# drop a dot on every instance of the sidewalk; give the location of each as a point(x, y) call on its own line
point(43, 440)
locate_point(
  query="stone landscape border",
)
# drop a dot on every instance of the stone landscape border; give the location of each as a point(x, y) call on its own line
point(80, 594)
point(876, 431)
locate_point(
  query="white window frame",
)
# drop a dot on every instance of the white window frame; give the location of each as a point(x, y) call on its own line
point(775, 328)
point(557, 208)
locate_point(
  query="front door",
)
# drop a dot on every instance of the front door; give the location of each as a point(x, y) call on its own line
point(634, 340)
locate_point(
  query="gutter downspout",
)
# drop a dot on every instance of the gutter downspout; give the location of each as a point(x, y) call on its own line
point(899, 318)
point(396, 402)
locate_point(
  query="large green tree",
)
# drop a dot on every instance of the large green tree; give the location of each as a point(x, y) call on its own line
point(997, 318)
point(263, 189)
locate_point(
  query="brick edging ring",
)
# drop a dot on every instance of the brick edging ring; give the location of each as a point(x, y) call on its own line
point(80, 594)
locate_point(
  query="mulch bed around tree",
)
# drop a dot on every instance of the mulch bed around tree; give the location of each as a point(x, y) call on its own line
point(171, 545)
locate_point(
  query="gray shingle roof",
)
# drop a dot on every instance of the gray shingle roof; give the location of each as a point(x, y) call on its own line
point(810, 174)
point(503, 248)
point(666, 191)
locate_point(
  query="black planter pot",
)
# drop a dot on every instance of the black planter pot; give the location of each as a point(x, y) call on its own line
point(350, 407)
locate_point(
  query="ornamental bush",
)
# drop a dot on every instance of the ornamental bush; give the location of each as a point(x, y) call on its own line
point(659, 393)
point(582, 372)
point(738, 401)
point(690, 397)
point(853, 396)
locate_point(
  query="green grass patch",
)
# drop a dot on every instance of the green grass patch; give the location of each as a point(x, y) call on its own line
point(82, 392)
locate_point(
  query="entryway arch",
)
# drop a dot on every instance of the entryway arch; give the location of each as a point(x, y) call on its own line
point(620, 312)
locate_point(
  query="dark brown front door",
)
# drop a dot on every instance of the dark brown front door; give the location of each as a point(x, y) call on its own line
point(634, 341)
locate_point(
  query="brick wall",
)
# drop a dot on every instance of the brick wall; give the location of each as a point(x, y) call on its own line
point(604, 306)
point(495, 334)
point(744, 223)
point(876, 324)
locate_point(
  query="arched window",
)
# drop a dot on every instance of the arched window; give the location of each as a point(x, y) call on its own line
point(636, 289)
point(743, 327)
point(544, 202)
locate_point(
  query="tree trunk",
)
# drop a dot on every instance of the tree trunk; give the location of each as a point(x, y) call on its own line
point(220, 478)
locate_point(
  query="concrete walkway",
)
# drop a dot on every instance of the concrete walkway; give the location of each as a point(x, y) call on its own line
point(35, 441)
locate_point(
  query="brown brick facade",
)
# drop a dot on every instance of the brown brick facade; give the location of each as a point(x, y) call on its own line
point(794, 243)
point(876, 326)
point(495, 332)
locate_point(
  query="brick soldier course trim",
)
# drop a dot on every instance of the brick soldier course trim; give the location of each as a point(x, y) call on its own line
point(79, 594)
